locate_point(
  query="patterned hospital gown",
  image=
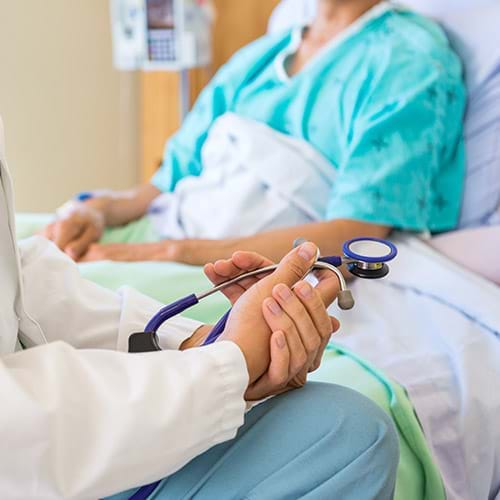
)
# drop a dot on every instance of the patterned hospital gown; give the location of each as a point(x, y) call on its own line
point(383, 102)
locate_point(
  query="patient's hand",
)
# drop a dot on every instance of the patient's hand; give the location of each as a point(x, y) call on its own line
point(271, 306)
point(76, 231)
point(240, 262)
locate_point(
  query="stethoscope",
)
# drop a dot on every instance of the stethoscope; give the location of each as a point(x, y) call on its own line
point(365, 258)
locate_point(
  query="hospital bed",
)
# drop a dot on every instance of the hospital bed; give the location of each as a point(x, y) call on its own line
point(426, 339)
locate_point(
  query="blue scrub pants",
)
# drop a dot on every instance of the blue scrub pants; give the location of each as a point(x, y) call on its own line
point(320, 442)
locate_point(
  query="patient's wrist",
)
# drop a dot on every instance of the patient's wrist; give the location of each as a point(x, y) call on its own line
point(73, 207)
point(199, 252)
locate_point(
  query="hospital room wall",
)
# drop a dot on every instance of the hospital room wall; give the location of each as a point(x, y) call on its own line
point(71, 120)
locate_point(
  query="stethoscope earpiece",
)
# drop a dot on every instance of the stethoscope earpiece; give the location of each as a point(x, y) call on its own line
point(345, 300)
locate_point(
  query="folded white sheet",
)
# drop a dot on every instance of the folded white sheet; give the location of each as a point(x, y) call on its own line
point(254, 179)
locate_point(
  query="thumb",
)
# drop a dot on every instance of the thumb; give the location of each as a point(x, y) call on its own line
point(294, 266)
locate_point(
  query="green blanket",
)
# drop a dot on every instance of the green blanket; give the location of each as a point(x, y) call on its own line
point(418, 476)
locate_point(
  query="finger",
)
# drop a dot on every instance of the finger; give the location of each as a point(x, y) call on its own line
point(313, 303)
point(248, 261)
point(274, 381)
point(277, 319)
point(222, 270)
point(319, 356)
point(335, 324)
point(291, 269)
point(317, 362)
point(93, 253)
point(280, 360)
point(240, 262)
point(232, 292)
point(227, 269)
point(80, 245)
point(210, 273)
point(328, 286)
point(65, 231)
point(298, 313)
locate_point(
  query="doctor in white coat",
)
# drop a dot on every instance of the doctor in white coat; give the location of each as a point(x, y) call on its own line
point(80, 419)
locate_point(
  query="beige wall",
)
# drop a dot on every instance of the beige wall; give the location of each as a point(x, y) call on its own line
point(70, 119)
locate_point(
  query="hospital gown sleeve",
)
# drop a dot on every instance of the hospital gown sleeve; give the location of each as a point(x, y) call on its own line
point(403, 165)
point(182, 154)
point(86, 423)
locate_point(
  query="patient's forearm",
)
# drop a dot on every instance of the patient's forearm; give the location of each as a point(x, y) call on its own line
point(121, 207)
point(329, 236)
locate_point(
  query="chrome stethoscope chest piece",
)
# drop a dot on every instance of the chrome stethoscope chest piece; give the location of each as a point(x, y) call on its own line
point(367, 257)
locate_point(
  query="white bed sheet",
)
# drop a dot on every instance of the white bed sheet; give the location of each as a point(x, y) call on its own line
point(435, 328)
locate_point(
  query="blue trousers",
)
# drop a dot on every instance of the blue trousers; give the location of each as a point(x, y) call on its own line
point(320, 442)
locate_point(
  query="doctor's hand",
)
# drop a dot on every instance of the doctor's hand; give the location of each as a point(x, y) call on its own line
point(304, 314)
point(74, 232)
point(301, 330)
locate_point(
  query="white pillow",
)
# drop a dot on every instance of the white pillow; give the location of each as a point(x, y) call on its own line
point(473, 27)
point(475, 35)
point(475, 249)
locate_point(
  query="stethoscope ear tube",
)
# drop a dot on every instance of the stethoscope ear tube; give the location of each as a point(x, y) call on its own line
point(217, 330)
point(170, 311)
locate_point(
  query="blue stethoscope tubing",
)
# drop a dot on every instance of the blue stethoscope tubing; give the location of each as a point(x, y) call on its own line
point(350, 258)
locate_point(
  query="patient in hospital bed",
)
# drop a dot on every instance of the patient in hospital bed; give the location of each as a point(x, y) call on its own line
point(349, 126)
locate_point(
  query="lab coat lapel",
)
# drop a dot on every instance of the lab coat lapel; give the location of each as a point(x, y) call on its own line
point(7, 183)
point(36, 335)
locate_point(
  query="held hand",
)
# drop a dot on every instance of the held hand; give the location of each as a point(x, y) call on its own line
point(240, 262)
point(247, 326)
point(76, 230)
point(302, 329)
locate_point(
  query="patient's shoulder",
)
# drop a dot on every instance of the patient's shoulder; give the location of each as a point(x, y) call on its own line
point(410, 49)
point(412, 36)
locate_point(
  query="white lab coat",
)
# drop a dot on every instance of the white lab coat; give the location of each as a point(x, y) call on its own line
point(77, 418)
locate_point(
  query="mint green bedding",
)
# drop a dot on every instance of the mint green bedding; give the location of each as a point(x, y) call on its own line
point(418, 476)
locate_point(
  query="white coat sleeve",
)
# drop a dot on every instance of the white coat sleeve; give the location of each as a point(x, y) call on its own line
point(86, 423)
point(81, 313)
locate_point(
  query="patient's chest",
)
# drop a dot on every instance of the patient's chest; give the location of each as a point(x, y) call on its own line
point(318, 104)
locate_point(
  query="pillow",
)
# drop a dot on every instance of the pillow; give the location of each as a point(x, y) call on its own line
point(472, 26)
point(474, 249)
point(475, 35)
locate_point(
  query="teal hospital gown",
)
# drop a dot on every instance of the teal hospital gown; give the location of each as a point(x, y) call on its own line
point(383, 102)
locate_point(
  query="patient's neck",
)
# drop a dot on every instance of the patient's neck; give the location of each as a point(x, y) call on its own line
point(336, 15)
point(333, 17)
